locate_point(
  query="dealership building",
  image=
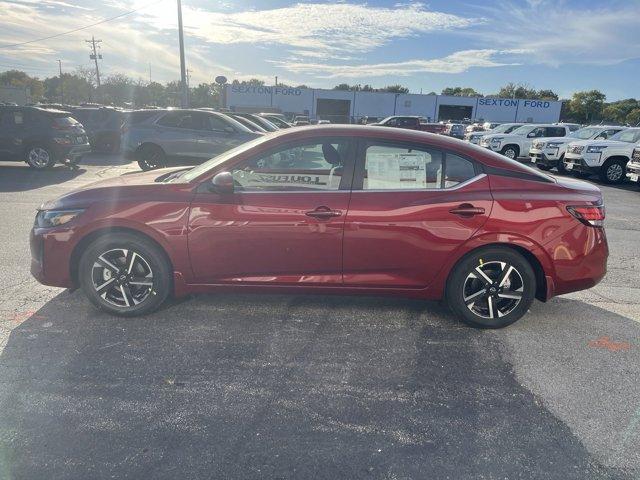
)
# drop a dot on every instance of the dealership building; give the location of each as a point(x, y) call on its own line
point(341, 106)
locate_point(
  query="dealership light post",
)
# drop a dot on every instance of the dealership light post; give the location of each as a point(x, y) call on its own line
point(184, 99)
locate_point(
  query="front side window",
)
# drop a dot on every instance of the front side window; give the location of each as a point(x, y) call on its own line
point(186, 120)
point(317, 166)
point(523, 130)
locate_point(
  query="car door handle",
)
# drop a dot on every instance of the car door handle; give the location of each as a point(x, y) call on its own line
point(323, 213)
point(467, 210)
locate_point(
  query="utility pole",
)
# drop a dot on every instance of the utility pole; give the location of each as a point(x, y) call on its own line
point(94, 56)
point(183, 70)
point(276, 80)
point(61, 83)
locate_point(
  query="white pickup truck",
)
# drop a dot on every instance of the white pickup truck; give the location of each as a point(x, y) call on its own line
point(475, 137)
point(606, 158)
point(548, 153)
point(518, 143)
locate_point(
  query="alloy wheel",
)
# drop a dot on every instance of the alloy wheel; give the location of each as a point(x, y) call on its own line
point(493, 289)
point(38, 157)
point(614, 172)
point(510, 153)
point(122, 277)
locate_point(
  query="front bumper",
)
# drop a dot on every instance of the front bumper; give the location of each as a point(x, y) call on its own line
point(51, 256)
point(579, 165)
point(633, 172)
point(546, 157)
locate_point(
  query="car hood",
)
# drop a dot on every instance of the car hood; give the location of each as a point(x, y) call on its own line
point(608, 143)
point(112, 189)
point(508, 136)
point(555, 140)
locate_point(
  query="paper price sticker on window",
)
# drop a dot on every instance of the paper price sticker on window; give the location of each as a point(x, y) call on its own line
point(397, 170)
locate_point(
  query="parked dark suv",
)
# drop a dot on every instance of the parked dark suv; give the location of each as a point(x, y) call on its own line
point(103, 126)
point(41, 137)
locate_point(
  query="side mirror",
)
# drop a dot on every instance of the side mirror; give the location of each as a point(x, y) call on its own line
point(222, 183)
point(532, 135)
point(229, 129)
point(601, 137)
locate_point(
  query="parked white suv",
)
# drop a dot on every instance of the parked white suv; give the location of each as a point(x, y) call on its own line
point(475, 137)
point(606, 158)
point(518, 143)
point(549, 152)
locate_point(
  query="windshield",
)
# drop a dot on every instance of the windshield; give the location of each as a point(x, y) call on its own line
point(505, 128)
point(585, 133)
point(523, 130)
point(631, 135)
point(195, 172)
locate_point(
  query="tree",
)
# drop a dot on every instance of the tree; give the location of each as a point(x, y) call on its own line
point(204, 95)
point(394, 89)
point(587, 106)
point(461, 92)
point(522, 90)
point(342, 86)
point(633, 118)
point(620, 110)
point(17, 78)
point(252, 82)
point(75, 89)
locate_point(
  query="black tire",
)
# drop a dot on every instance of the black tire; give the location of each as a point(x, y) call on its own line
point(39, 157)
point(490, 260)
point(120, 296)
point(544, 168)
point(613, 171)
point(560, 166)
point(511, 151)
point(582, 175)
point(150, 157)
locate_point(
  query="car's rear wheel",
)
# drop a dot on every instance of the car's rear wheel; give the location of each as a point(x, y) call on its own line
point(40, 157)
point(613, 171)
point(125, 274)
point(151, 157)
point(510, 151)
point(544, 168)
point(491, 287)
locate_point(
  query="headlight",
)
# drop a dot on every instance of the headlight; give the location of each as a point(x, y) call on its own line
point(596, 149)
point(55, 218)
point(554, 144)
point(496, 140)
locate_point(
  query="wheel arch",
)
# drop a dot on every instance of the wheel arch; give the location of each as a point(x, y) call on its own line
point(534, 261)
point(85, 241)
point(515, 146)
point(149, 144)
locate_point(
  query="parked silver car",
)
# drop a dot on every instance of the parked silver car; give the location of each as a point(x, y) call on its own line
point(171, 137)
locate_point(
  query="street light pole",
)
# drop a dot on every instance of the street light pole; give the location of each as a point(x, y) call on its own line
point(61, 83)
point(184, 100)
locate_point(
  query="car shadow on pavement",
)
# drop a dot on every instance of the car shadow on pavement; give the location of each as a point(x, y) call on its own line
point(272, 386)
point(22, 178)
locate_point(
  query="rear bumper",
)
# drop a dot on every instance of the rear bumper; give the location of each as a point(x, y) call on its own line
point(579, 260)
point(73, 153)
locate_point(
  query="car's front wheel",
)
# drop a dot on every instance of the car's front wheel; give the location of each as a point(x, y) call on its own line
point(491, 287)
point(510, 151)
point(125, 274)
point(613, 171)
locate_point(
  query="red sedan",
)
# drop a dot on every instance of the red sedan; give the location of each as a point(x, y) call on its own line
point(330, 209)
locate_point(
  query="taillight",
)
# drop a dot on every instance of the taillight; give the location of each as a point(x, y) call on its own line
point(592, 215)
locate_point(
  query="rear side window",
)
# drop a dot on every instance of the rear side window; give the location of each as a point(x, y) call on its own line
point(134, 118)
point(399, 168)
point(175, 119)
point(64, 122)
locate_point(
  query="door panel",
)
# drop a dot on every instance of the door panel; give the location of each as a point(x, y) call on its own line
point(283, 224)
point(401, 237)
point(267, 238)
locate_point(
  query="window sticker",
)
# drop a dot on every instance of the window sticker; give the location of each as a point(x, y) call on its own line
point(398, 170)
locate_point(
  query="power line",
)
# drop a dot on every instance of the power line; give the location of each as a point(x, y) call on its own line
point(79, 28)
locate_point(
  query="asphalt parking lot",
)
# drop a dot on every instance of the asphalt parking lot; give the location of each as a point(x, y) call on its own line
point(276, 386)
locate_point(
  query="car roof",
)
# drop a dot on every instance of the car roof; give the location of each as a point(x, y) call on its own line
point(482, 155)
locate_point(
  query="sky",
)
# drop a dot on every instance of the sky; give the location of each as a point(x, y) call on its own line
point(562, 45)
